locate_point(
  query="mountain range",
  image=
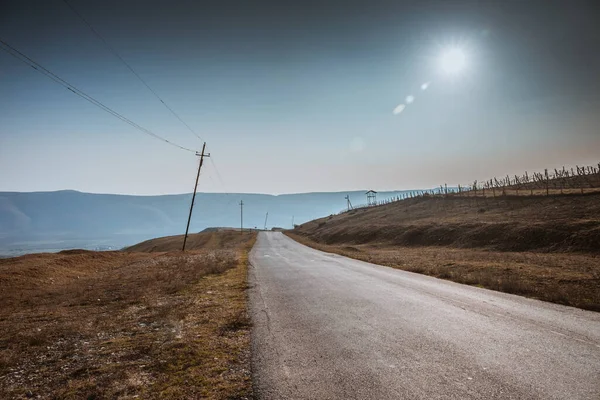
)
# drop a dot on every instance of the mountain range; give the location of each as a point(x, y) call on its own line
point(52, 221)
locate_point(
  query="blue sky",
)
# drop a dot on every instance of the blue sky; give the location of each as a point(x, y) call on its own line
point(296, 98)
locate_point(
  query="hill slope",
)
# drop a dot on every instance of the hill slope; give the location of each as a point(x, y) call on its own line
point(541, 247)
point(555, 223)
point(214, 240)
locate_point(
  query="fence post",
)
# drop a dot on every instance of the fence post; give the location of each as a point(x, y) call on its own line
point(580, 180)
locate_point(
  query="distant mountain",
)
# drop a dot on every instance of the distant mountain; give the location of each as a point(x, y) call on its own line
point(50, 221)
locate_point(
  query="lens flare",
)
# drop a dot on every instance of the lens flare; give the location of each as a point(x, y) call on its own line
point(453, 61)
point(399, 109)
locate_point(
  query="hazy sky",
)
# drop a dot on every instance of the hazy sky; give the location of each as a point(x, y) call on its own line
point(297, 96)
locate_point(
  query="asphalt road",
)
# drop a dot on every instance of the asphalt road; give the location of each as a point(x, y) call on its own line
point(329, 327)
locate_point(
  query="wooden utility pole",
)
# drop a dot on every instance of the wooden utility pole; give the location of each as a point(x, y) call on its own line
point(266, 217)
point(292, 222)
point(187, 228)
point(241, 216)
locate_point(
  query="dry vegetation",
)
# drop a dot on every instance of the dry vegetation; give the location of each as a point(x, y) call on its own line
point(107, 325)
point(213, 240)
point(577, 180)
point(545, 247)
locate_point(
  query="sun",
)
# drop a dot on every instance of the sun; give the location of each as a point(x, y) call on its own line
point(453, 61)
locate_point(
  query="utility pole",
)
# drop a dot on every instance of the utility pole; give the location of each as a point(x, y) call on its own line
point(241, 216)
point(266, 217)
point(348, 203)
point(187, 228)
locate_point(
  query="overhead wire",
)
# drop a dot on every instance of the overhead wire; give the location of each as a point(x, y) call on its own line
point(217, 171)
point(38, 67)
point(116, 54)
point(228, 196)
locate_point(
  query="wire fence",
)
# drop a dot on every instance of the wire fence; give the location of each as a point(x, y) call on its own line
point(564, 181)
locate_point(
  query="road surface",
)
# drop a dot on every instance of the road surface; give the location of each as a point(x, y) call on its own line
point(329, 327)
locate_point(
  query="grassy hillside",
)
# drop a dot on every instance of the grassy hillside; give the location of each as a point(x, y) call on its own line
point(533, 223)
point(82, 324)
point(211, 240)
point(542, 247)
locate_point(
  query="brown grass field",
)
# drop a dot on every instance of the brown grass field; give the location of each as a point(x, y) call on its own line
point(131, 324)
point(511, 191)
point(541, 247)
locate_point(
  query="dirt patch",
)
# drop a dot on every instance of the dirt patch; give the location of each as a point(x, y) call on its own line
point(90, 325)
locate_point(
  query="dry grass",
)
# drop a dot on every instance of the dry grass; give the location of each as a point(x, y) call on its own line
point(545, 247)
point(215, 240)
point(512, 191)
point(546, 224)
point(90, 325)
point(569, 279)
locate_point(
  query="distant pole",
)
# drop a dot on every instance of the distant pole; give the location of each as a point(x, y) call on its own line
point(187, 228)
point(348, 203)
point(266, 217)
point(241, 216)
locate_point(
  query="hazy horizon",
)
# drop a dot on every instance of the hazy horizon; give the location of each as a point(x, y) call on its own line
point(297, 97)
point(205, 192)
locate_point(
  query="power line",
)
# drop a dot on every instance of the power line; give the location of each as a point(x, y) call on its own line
point(33, 64)
point(228, 196)
point(217, 171)
point(112, 50)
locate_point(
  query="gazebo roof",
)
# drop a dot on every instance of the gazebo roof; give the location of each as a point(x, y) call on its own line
point(371, 191)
